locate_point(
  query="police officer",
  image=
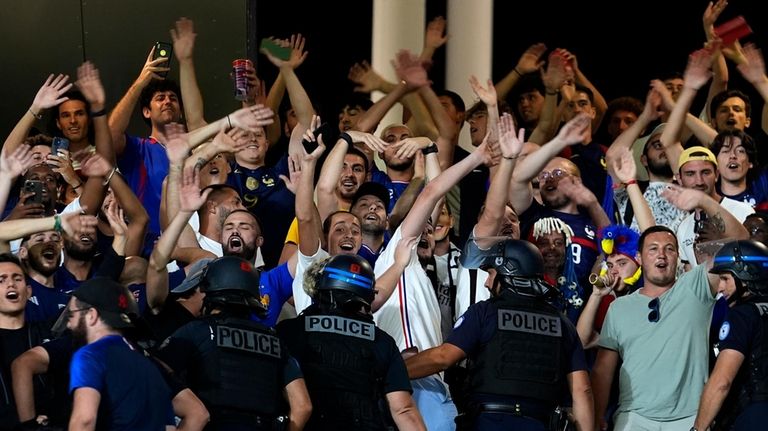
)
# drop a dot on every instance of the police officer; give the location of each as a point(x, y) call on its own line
point(349, 364)
point(236, 366)
point(523, 354)
point(738, 386)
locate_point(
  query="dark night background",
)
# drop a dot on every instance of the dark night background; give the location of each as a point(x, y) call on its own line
point(620, 45)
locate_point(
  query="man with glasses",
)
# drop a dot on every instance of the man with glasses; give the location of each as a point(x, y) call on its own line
point(563, 195)
point(660, 332)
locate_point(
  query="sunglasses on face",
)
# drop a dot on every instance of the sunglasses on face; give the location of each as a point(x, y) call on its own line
point(655, 314)
point(555, 174)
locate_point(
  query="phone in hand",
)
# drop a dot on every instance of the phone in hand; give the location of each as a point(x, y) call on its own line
point(324, 129)
point(733, 30)
point(163, 50)
point(276, 50)
point(59, 144)
point(35, 187)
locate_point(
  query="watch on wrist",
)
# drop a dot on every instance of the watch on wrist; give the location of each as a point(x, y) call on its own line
point(432, 148)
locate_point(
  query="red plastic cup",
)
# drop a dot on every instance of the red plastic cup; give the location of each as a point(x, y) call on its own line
point(241, 79)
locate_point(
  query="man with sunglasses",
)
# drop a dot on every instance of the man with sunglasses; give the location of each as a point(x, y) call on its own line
point(660, 332)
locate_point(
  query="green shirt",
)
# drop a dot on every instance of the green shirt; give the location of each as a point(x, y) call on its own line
point(665, 363)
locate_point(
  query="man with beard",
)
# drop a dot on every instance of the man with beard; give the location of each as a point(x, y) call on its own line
point(221, 201)
point(108, 397)
point(698, 171)
point(562, 193)
point(370, 205)
point(17, 334)
point(241, 236)
point(654, 158)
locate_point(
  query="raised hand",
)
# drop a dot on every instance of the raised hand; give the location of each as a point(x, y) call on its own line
point(408, 147)
point(665, 96)
point(89, 83)
point(511, 145)
point(76, 224)
point(298, 55)
point(711, 13)
point(624, 166)
point(365, 77)
point(294, 172)
point(257, 88)
point(685, 199)
point(252, 117)
point(652, 108)
point(556, 74)
point(531, 60)
point(51, 93)
point(176, 143)
point(409, 68)
point(373, 142)
point(486, 94)
point(435, 36)
point(404, 251)
point(231, 141)
point(572, 187)
point(18, 162)
point(116, 218)
point(309, 136)
point(95, 166)
point(183, 37)
point(698, 72)
point(573, 131)
point(190, 198)
point(25, 209)
point(753, 70)
point(152, 67)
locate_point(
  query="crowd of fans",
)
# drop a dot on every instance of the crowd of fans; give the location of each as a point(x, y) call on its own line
point(86, 206)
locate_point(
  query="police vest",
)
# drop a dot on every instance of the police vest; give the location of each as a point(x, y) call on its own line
point(244, 370)
point(756, 388)
point(339, 366)
point(525, 355)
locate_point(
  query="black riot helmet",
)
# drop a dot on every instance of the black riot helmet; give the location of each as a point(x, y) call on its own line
point(232, 281)
point(747, 261)
point(519, 267)
point(349, 278)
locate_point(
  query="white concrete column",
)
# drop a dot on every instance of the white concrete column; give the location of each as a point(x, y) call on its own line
point(469, 50)
point(397, 24)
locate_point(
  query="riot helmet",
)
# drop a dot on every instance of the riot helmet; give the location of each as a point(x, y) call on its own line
point(232, 281)
point(747, 261)
point(519, 267)
point(349, 279)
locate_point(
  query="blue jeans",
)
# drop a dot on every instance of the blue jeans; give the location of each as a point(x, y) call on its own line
point(435, 404)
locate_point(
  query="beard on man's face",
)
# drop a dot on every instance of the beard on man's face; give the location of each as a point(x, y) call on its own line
point(660, 169)
point(79, 251)
point(79, 333)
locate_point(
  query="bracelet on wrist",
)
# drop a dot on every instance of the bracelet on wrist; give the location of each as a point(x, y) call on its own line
point(99, 113)
point(39, 116)
point(510, 158)
point(80, 184)
point(57, 223)
point(432, 148)
point(229, 122)
point(345, 136)
point(630, 182)
point(517, 71)
point(109, 177)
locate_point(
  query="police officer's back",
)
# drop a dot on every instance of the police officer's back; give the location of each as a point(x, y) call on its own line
point(349, 364)
point(523, 355)
point(742, 362)
point(236, 366)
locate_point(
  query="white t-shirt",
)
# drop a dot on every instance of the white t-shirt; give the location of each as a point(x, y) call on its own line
point(686, 237)
point(411, 315)
point(300, 298)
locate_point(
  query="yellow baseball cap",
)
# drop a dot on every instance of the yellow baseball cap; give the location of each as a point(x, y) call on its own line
point(696, 153)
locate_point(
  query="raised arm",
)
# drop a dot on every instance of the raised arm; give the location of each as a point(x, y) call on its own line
point(303, 167)
point(599, 102)
point(183, 36)
point(529, 62)
point(12, 164)
point(623, 142)
point(386, 282)
point(121, 114)
point(157, 275)
point(49, 95)
point(129, 203)
point(719, 68)
point(626, 173)
point(554, 78)
point(696, 74)
point(753, 70)
point(511, 146)
point(300, 101)
point(434, 38)
point(520, 192)
point(71, 224)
